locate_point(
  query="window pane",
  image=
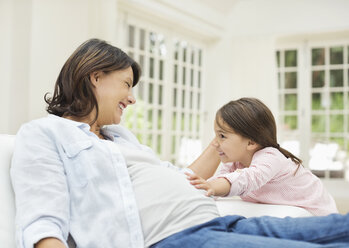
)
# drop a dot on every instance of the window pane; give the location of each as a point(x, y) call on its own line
point(318, 123)
point(161, 70)
point(199, 79)
point(190, 122)
point(290, 122)
point(151, 67)
point(199, 99)
point(279, 80)
point(192, 60)
point(162, 46)
point(150, 116)
point(281, 107)
point(317, 101)
point(142, 39)
point(175, 73)
point(131, 36)
point(336, 55)
point(140, 87)
point(290, 101)
point(191, 77)
point(176, 50)
point(182, 122)
point(159, 145)
point(336, 100)
point(278, 58)
point(336, 78)
point(174, 97)
point(150, 93)
point(149, 141)
point(159, 119)
point(160, 95)
point(318, 56)
point(191, 100)
point(183, 98)
point(291, 58)
point(184, 53)
point(318, 79)
point(173, 145)
point(174, 120)
point(183, 75)
point(141, 61)
point(152, 39)
point(290, 80)
point(200, 55)
point(336, 123)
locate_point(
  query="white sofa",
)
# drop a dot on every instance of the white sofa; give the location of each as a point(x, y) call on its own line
point(7, 210)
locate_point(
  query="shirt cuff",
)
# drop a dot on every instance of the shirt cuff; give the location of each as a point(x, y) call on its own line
point(41, 229)
point(232, 178)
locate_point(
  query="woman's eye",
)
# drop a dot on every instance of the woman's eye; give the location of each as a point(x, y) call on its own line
point(128, 84)
point(221, 136)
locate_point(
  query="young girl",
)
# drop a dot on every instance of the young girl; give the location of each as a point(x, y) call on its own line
point(255, 167)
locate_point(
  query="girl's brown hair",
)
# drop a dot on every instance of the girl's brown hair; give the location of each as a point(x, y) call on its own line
point(73, 94)
point(252, 119)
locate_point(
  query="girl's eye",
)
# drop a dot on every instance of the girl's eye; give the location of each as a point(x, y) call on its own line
point(221, 136)
point(128, 84)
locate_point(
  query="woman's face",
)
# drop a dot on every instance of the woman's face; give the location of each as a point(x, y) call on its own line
point(113, 92)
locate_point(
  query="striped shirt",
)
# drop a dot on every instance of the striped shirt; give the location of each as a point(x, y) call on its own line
point(274, 179)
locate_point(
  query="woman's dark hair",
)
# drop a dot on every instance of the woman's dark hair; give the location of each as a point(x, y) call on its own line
point(73, 94)
point(252, 119)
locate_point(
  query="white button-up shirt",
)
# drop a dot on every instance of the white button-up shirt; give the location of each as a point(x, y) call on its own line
point(67, 180)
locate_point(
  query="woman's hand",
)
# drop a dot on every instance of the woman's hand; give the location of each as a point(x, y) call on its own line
point(215, 187)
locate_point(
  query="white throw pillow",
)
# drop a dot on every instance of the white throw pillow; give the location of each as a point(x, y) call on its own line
point(7, 206)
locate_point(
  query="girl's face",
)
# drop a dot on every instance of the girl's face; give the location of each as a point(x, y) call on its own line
point(231, 146)
point(113, 92)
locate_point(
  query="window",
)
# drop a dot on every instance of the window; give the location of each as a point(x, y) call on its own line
point(314, 104)
point(168, 114)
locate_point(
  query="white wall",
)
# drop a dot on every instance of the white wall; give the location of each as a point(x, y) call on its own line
point(37, 38)
point(242, 62)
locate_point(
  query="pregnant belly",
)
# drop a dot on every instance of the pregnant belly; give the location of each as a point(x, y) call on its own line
point(167, 202)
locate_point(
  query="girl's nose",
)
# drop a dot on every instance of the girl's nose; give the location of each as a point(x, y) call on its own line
point(215, 143)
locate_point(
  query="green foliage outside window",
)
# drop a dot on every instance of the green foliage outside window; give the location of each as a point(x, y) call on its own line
point(318, 123)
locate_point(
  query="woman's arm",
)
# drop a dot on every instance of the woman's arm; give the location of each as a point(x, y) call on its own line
point(206, 164)
point(40, 187)
point(50, 243)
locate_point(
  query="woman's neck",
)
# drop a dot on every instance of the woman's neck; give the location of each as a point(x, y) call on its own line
point(95, 128)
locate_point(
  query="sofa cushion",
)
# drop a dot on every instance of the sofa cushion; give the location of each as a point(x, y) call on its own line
point(7, 208)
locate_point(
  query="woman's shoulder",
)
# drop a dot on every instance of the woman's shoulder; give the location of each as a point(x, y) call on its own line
point(50, 126)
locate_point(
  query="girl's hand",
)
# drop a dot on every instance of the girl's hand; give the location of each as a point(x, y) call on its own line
point(200, 183)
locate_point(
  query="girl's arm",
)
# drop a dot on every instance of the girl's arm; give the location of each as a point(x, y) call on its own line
point(216, 187)
point(206, 164)
point(261, 171)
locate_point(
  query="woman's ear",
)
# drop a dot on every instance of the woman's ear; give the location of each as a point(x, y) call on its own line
point(94, 77)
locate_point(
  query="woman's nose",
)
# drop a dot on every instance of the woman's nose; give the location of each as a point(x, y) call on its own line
point(131, 99)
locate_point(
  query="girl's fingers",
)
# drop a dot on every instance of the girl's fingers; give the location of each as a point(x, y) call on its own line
point(197, 181)
point(209, 192)
point(191, 176)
